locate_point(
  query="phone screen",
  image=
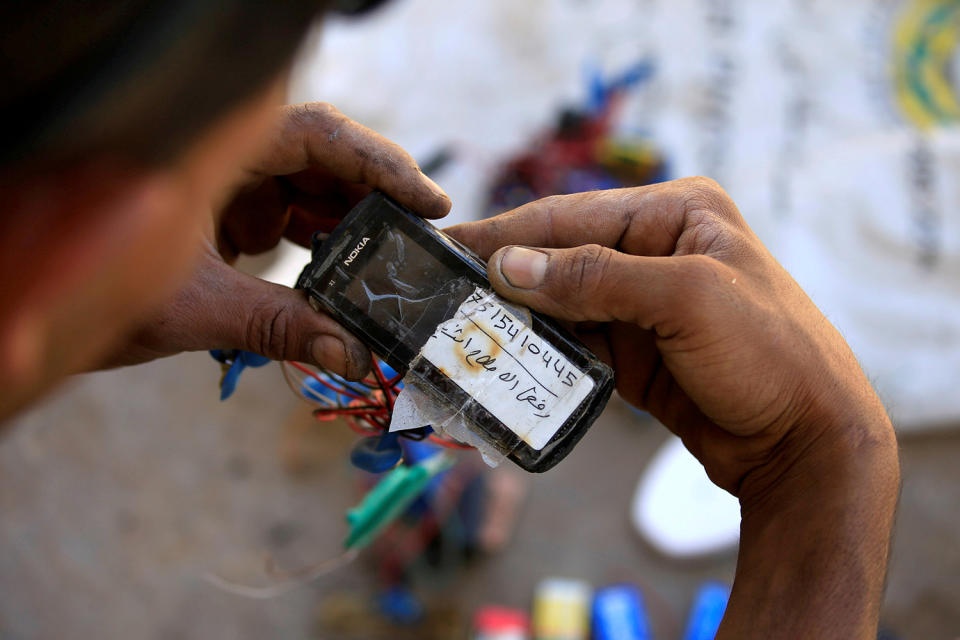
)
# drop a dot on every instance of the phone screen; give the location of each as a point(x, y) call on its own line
point(404, 289)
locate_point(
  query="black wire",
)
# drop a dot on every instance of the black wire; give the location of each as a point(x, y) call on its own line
point(340, 408)
point(382, 388)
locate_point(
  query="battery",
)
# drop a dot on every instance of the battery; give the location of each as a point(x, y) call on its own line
point(707, 611)
point(500, 623)
point(561, 610)
point(618, 613)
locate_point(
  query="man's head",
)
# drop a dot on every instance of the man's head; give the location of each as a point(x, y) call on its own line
point(124, 122)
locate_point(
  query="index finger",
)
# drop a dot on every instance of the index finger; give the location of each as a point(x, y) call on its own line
point(316, 134)
point(646, 221)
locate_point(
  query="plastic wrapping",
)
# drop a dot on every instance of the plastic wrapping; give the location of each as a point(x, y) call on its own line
point(479, 366)
point(414, 408)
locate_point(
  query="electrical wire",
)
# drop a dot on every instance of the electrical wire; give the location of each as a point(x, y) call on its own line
point(303, 391)
point(298, 578)
point(365, 405)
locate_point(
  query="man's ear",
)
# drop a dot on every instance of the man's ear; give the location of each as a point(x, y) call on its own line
point(58, 230)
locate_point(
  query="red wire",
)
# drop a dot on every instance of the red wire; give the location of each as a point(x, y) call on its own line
point(378, 374)
point(372, 416)
point(319, 379)
point(373, 423)
point(347, 411)
point(358, 429)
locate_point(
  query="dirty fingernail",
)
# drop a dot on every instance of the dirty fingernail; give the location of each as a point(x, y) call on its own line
point(330, 352)
point(523, 268)
point(358, 360)
point(434, 186)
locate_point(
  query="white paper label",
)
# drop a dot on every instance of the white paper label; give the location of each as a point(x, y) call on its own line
point(514, 373)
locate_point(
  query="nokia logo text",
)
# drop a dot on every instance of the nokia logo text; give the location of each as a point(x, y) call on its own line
point(356, 251)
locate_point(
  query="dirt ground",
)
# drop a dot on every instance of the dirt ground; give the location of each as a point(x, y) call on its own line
point(126, 487)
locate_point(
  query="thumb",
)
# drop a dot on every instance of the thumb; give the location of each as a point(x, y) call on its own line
point(223, 308)
point(596, 283)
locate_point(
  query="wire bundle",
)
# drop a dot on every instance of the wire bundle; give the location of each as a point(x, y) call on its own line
point(365, 405)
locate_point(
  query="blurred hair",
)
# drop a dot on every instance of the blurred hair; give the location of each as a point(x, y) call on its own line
point(136, 78)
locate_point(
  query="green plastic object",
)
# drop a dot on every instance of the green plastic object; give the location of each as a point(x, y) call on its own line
point(390, 498)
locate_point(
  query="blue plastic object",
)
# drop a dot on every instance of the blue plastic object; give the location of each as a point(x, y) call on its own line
point(619, 614)
point(234, 362)
point(399, 605)
point(377, 454)
point(707, 612)
point(388, 371)
point(415, 451)
point(600, 89)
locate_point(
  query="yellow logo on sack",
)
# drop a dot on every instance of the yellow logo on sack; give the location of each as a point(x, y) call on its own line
point(927, 57)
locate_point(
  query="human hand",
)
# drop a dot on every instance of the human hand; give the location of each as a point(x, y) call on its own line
point(707, 332)
point(317, 165)
point(704, 329)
